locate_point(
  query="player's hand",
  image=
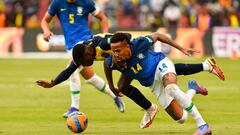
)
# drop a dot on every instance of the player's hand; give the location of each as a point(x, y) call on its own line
point(189, 51)
point(47, 35)
point(120, 94)
point(45, 84)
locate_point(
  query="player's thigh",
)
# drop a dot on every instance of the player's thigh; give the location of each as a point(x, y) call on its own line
point(169, 78)
point(87, 72)
point(163, 97)
point(166, 71)
point(124, 82)
point(174, 110)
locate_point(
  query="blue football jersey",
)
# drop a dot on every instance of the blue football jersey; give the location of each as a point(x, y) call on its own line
point(143, 62)
point(74, 19)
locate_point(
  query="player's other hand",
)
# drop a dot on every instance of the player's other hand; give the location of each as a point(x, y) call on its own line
point(47, 35)
point(189, 51)
point(45, 84)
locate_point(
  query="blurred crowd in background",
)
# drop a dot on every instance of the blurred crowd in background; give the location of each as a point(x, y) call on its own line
point(130, 14)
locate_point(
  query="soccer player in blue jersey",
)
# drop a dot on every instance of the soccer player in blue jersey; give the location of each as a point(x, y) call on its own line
point(73, 16)
point(98, 49)
point(155, 70)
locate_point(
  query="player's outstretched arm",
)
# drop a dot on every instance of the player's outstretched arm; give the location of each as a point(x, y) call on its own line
point(161, 37)
point(103, 20)
point(64, 75)
point(108, 74)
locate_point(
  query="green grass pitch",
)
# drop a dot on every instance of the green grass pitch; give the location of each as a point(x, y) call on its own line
point(27, 109)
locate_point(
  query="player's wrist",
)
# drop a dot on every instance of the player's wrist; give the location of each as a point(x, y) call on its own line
point(111, 87)
point(53, 83)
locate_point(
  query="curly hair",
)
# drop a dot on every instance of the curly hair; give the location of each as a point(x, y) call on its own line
point(119, 37)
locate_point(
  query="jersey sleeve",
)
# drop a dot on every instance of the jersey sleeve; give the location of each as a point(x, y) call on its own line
point(103, 41)
point(141, 44)
point(52, 10)
point(65, 74)
point(92, 8)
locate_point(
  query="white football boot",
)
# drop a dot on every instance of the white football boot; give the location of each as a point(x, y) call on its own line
point(149, 116)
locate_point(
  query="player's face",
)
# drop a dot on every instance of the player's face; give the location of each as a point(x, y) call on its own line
point(88, 56)
point(121, 50)
point(71, 1)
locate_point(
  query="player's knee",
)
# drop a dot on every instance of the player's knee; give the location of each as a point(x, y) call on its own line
point(171, 88)
point(183, 119)
point(169, 78)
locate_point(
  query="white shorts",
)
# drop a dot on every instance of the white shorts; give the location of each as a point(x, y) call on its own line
point(164, 66)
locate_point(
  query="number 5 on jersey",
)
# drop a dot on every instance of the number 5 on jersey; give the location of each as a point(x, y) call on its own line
point(71, 18)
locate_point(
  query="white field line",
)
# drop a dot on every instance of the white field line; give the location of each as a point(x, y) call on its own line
point(37, 55)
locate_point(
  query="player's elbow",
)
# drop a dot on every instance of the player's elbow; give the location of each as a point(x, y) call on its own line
point(101, 16)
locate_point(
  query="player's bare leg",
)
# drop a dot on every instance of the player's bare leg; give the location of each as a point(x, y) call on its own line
point(101, 85)
point(87, 72)
point(176, 112)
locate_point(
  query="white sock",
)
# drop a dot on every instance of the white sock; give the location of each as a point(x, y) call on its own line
point(179, 95)
point(197, 116)
point(100, 84)
point(185, 102)
point(75, 85)
point(190, 93)
point(205, 66)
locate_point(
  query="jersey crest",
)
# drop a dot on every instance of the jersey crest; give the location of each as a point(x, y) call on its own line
point(141, 56)
point(79, 10)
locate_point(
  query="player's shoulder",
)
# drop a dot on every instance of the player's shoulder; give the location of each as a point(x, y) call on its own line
point(146, 38)
point(103, 35)
point(57, 2)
